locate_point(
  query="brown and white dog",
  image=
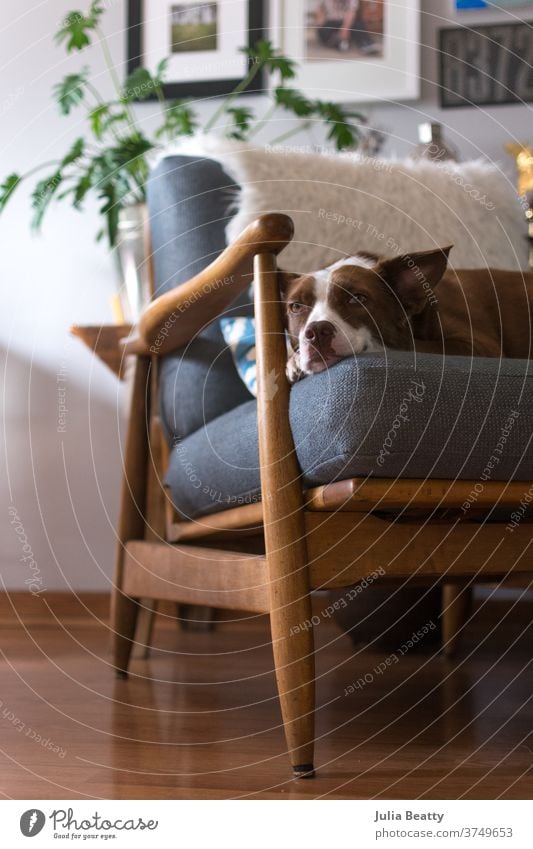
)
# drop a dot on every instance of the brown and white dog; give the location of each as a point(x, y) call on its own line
point(365, 303)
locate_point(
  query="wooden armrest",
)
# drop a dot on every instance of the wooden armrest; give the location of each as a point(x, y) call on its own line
point(175, 318)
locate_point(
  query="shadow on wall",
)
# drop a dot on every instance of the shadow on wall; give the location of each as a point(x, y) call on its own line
point(62, 447)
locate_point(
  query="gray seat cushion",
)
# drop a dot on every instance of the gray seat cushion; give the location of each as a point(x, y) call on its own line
point(189, 203)
point(385, 415)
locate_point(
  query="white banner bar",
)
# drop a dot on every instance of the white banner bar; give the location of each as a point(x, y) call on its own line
point(268, 824)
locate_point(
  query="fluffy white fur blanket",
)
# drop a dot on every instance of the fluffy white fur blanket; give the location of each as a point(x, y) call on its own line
point(344, 203)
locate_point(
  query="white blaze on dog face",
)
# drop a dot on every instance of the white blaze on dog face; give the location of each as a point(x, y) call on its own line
point(357, 305)
point(321, 329)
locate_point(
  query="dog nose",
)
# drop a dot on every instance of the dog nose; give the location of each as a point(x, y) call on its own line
point(319, 332)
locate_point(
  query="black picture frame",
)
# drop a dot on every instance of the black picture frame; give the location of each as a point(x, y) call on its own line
point(204, 88)
point(504, 74)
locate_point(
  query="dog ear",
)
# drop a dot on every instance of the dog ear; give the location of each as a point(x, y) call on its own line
point(370, 256)
point(285, 278)
point(414, 276)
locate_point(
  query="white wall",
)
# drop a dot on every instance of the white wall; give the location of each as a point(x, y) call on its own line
point(64, 486)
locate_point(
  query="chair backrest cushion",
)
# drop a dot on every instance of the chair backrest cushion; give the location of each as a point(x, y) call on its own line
point(189, 203)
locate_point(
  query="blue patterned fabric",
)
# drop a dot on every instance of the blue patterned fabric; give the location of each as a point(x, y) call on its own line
point(239, 335)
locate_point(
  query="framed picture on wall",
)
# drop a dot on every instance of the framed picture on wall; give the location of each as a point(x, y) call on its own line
point(352, 50)
point(201, 38)
point(486, 66)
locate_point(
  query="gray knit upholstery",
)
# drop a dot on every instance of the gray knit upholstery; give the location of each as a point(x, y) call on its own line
point(384, 415)
point(189, 202)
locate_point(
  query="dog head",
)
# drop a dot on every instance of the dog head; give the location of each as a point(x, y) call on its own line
point(359, 304)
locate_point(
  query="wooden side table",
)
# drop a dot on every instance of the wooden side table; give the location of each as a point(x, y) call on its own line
point(103, 340)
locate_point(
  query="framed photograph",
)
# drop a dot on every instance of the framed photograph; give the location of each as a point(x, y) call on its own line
point(487, 65)
point(353, 50)
point(201, 38)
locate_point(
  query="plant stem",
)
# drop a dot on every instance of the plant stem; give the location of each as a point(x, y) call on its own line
point(162, 103)
point(264, 120)
point(114, 77)
point(226, 103)
point(39, 168)
point(293, 132)
point(94, 93)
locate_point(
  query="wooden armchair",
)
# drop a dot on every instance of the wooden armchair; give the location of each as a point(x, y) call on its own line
point(272, 554)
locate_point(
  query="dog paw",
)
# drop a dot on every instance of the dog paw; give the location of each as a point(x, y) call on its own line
point(293, 370)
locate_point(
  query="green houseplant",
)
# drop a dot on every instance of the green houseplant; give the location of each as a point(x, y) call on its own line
point(112, 159)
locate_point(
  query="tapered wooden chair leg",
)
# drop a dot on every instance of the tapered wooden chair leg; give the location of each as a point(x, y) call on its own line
point(131, 526)
point(144, 629)
point(196, 617)
point(456, 607)
point(293, 648)
point(124, 613)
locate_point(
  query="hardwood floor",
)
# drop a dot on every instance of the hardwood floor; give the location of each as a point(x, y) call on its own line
point(200, 718)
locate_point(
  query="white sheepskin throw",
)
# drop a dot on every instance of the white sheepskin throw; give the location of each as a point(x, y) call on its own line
point(345, 203)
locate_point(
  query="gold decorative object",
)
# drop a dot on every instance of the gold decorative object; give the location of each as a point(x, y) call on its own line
point(523, 155)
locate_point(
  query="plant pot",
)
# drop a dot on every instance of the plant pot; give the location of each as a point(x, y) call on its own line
point(132, 261)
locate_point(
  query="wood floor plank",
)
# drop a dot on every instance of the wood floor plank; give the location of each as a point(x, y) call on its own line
point(200, 720)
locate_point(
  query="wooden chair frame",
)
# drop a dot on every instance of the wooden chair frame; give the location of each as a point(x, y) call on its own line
point(329, 537)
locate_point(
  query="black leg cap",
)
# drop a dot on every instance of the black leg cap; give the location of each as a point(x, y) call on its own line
point(121, 674)
point(304, 771)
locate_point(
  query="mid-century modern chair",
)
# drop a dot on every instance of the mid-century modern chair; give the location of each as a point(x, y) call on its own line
point(219, 508)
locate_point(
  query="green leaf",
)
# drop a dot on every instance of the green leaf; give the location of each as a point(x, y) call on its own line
point(77, 26)
point(41, 196)
point(294, 101)
point(96, 10)
point(121, 161)
point(161, 69)
point(130, 148)
point(96, 117)
point(118, 174)
point(76, 152)
point(180, 120)
point(139, 85)
point(81, 188)
point(71, 90)
point(344, 136)
point(111, 211)
point(7, 188)
point(266, 55)
point(101, 119)
point(242, 118)
point(115, 193)
point(342, 132)
point(285, 67)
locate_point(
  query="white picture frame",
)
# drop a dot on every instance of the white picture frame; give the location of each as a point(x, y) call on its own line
point(390, 77)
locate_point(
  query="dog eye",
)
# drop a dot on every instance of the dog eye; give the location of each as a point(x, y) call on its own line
point(358, 298)
point(295, 307)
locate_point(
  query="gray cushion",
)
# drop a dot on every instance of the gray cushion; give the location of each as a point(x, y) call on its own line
point(189, 203)
point(384, 415)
